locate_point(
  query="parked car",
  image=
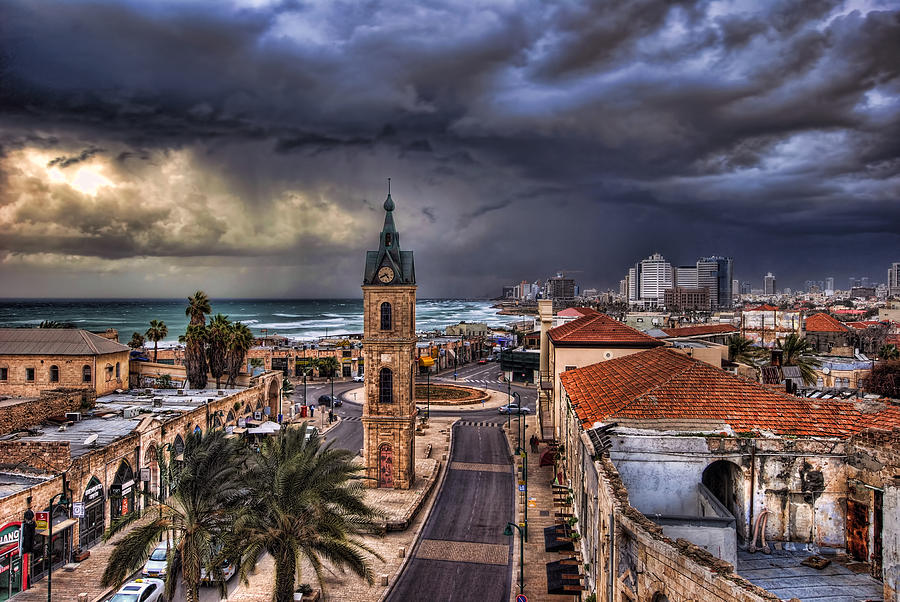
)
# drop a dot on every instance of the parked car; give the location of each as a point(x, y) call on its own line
point(359, 379)
point(140, 590)
point(513, 408)
point(310, 431)
point(482, 361)
point(327, 401)
point(156, 564)
point(228, 570)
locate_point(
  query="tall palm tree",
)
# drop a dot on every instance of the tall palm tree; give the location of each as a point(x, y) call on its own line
point(157, 332)
point(329, 365)
point(741, 349)
point(239, 343)
point(137, 340)
point(195, 365)
point(197, 308)
point(218, 336)
point(306, 502)
point(797, 351)
point(196, 516)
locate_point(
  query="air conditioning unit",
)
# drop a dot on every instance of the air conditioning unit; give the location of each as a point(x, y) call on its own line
point(131, 412)
point(157, 402)
point(73, 416)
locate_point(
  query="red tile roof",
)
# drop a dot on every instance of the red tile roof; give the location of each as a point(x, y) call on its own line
point(598, 330)
point(822, 322)
point(659, 384)
point(689, 331)
point(577, 312)
point(863, 325)
point(764, 307)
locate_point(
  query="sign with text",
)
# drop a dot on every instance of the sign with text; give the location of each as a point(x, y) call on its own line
point(41, 520)
point(145, 474)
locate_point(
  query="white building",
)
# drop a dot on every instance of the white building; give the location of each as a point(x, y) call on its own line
point(656, 276)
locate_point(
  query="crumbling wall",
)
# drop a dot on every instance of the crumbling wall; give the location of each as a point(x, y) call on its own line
point(32, 412)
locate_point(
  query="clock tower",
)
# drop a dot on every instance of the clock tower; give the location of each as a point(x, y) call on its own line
point(389, 352)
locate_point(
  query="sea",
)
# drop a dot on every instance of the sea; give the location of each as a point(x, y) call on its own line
point(300, 320)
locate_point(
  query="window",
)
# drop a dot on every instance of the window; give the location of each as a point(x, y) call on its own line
point(385, 316)
point(151, 589)
point(29, 374)
point(54, 374)
point(118, 370)
point(569, 368)
point(85, 374)
point(387, 239)
point(385, 386)
point(4, 373)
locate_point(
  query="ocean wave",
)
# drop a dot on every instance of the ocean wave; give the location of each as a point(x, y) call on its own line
point(288, 315)
point(334, 322)
point(249, 322)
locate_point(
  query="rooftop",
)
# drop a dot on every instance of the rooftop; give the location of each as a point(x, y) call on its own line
point(577, 312)
point(823, 322)
point(599, 329)
point(11, 483)
point(669, 387)
point(763, 307)
point(700, 329)
point(55, 341)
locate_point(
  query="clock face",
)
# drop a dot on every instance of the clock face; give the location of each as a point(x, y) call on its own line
point(385, 274)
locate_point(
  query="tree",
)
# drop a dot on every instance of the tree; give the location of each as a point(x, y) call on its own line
point(889, 352)
point(195, 365)
point(797, 351)
point(137, 340)
point(198, 307)
point(196, 516)
point(885, 379)
point(328, 365)
point(239, 343)
point(304, 501)
point(218, 335)
point(157, 332)
point(741, 349)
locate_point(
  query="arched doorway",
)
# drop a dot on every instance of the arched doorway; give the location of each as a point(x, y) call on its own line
point(272, 397)
point(121, 492)
point(385, 465)
point(660, 597)
point(92, 524)
point(725, 480)
point(178, 448)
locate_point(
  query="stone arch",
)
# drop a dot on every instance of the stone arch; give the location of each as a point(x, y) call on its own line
point(178, 445)
point(725, 480)
point(93, 523)
point(386, 314)
point(659, 597)
point(54, 374)
point(386, 465)
point(385, 385)
point(230, 418)
point(273, 399)
point(122, 491)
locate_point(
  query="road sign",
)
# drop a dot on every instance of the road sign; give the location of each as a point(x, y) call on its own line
point(521, 487)
point(521, 598)
point(41, 520)
point(78, 509)
point(532, 503)
point(145, 474)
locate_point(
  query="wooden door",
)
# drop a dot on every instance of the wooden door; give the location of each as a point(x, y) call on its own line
point(858, 530)
point(385, 466)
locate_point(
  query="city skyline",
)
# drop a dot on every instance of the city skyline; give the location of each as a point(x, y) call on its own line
point(243, 149)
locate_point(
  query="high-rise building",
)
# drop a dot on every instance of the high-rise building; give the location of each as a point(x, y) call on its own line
point(735, 290)
point(634, 283)
point(769, 284)
point(562, 287)
point(746, 288)
point(716, 273)
point(893, 281)
point(655, 277)
point(829, 286)
point(623, 287)
point(686, 276)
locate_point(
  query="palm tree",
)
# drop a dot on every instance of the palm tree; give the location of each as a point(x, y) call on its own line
point(741, 349)
point(137, 340)
point(306, 502)
point(797, 351)
point(198, 307)
point(194, 340)
point(239, 343)
point(329, 365)
point(196, 516)
point(889, 352)
point(157, 332)
point(218, 335)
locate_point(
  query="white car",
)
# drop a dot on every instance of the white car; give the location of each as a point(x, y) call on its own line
point(228, 570)
point(156, 564)
point(359, 379)
point(140, 590)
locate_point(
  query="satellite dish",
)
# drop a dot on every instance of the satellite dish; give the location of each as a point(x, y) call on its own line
point(826, 370)
point(92, 439)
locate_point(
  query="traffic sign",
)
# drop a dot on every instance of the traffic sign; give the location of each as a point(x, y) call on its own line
point(521, 487)
point(521, 598)
point(532, 502)
point(78, 509)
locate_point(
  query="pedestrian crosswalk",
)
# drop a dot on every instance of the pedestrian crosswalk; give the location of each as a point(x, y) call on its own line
point(352, 418)
point(482, 381)
point(477, 423)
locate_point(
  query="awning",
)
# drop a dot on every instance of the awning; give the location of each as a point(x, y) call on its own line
point(426, 362)
point(563, 578)
point(59, 527)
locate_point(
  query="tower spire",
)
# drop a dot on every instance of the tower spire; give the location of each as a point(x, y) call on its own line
point(389, 202)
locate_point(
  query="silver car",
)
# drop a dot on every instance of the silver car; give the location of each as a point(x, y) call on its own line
point(156, 564)
point(140, 590)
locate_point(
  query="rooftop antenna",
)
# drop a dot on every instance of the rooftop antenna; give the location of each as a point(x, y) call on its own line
point(389, 186)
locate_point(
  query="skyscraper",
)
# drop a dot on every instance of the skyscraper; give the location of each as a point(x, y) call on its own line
point(769, 284)
point(655, 277)
point(686, 276)
point(716, 274)
point(893, 281)
point(829, 286)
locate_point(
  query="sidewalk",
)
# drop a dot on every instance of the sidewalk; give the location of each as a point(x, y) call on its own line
point(541, 514)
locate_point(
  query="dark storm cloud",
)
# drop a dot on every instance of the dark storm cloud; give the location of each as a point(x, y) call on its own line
point(527, 136)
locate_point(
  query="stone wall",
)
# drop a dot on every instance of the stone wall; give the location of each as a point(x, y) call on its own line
point(37, 456)
point(103, 377)
point(31, 412)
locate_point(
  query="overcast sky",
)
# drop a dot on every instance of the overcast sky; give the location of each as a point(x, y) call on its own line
point(243, 147)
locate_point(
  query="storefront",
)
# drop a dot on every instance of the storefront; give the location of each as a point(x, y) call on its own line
point(93, 522)
point(60, 547)
point(12, 570)
point(121, 492)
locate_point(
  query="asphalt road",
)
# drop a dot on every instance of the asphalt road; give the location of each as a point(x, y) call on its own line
point(463, 554)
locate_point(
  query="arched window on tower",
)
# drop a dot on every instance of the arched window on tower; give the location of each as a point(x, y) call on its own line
point(54, 374)
point(385, 386)
point(86, 373)
point(385, 316)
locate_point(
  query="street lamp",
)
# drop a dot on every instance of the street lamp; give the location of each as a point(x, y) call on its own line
point(509, 532)
point(508, 399)
point(428, 391)
point(520, 444)
point(49, 543)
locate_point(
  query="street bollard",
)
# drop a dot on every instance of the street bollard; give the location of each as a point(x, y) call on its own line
point(402, 553)
point(384, 580)
point(82, 598)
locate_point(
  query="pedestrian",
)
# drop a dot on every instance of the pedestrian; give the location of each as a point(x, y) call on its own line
point(330, 416)
point(312, 411)
point(534, 443)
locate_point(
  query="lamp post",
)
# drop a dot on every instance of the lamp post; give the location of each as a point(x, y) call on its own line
point(509, 532)
point(508, 399)
point(428, 391)
point(49, 544)
point(519, 444)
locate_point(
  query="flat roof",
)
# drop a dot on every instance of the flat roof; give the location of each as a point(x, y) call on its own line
point(11, 483)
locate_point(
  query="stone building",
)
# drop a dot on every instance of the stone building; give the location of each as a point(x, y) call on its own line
point(389, 348)
point(33, 360)
point(828, 335)
point(680, 472)
point(766, 324)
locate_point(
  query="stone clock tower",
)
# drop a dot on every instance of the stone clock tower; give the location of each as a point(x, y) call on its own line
point(389, 350)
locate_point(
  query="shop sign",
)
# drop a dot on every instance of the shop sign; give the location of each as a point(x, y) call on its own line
point(93, 492)
point(78, 509)
point(41, 520)
point(115, 490)
point(126, 487)
point(145, 474)
point(9, 536)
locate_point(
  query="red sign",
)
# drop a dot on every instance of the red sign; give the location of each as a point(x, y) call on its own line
point(9, 537)
point(41, 520)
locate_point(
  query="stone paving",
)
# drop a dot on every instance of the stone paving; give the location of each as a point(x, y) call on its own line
point(396, 504)
point(463, 551)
